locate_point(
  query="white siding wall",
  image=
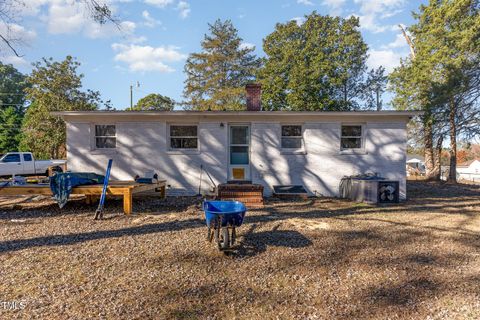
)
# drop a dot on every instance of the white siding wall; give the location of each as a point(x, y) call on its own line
point(142, 146)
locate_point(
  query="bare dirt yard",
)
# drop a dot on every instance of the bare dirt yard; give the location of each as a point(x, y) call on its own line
point(314, 259)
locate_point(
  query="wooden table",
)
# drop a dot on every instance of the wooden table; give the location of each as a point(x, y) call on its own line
point(115, 188)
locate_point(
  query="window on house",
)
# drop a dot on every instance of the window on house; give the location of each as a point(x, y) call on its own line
point(292, 137)
point(351, 137)
point(105, 136)
point(183, 137)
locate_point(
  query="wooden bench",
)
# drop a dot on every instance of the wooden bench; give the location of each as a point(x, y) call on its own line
point(126, 189)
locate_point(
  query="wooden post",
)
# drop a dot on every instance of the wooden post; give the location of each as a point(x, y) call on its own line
point(162, 192)
point(127, 201)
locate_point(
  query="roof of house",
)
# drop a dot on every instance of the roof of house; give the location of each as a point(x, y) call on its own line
point(467, 163)
point(415, 157)
point(234, 113)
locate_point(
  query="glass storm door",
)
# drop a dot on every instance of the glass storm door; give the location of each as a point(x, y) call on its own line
point(239, 152)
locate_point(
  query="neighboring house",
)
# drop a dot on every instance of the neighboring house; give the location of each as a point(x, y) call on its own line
point(415, 165)
point(469, 170)
point(313, 149)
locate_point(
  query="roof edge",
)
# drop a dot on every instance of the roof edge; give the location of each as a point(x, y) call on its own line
point(245, 113)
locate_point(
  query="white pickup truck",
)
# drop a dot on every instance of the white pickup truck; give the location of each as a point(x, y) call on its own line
point(24, 164)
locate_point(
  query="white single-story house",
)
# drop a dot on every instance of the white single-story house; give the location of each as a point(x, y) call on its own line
point(312, 149)
point(469, 170)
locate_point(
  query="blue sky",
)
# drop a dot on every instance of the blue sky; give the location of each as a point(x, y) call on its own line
point(157, 35)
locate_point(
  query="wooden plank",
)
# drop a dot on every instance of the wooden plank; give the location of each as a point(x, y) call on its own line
point(127, 201)
point(25, 190)
point(147, 187)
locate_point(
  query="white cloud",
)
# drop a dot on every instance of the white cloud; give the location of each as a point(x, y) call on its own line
point(18, 37)
point(399, 42)
point(149, 20)
point(14, 60)
point(386, 58)
point(28, 7)
point(147, 58)
point(369, 22)
point(305, 2)
point(67, 17)
point(298, 20)
point(371, 11)
point(159, 3)
point(335, 6)
point(16, 32)
point(184, 9)
point(247, 45)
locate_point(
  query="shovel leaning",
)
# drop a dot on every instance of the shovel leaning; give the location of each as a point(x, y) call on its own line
point(99, 211)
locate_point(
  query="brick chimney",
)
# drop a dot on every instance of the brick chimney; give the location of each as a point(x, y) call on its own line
point(254, 96)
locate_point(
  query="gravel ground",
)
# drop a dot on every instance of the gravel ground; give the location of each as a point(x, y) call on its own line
point(314, 259)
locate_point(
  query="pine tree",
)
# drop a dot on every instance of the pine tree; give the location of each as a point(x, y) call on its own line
point(375, 86)
point(216, 77)
point(10, 122)
point(443, 75)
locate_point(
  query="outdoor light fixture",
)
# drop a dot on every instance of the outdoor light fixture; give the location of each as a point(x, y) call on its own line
point(222, 125)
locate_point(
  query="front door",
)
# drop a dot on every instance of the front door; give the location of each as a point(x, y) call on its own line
point(239, 153)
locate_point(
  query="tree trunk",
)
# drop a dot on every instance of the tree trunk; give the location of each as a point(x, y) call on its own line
point(429, 163)
point(379, 106)
point(438, 159)
point(453, 143)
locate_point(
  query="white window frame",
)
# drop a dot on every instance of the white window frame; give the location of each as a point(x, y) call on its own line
point(300, 150)
point(94, 134)
point(169, 137)
point(362, 138)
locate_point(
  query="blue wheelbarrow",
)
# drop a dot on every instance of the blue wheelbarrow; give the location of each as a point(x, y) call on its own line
point(222, 218)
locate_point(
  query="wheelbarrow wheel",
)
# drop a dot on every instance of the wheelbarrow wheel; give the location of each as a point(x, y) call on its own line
point(224, 241)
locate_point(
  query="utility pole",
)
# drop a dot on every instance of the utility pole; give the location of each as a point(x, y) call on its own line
point(131, 93)
point(131, 97)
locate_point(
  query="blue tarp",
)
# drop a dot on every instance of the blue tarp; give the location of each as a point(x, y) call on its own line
point(62, 184)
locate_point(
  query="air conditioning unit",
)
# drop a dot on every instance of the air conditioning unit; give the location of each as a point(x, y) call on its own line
point(375, 191)
point(369, 188)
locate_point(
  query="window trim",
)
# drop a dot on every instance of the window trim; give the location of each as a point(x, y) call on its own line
point(94, 137)
point(300, 150)
point(362, 149)
point(182, 150)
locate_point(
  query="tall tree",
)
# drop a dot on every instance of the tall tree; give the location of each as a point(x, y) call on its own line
point(55, 86)
point(12, 86)
point(318, 65)
point(154, 102)
point(12, 101)
point(375, 86)
point(445, 69)
point(10, 122)
point(216, 77)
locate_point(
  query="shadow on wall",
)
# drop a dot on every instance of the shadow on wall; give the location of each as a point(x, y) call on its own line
point(137, 153)
point(143, 147)
point(321, 167)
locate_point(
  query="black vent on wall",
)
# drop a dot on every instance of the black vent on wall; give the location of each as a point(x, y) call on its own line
point(388, 192)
